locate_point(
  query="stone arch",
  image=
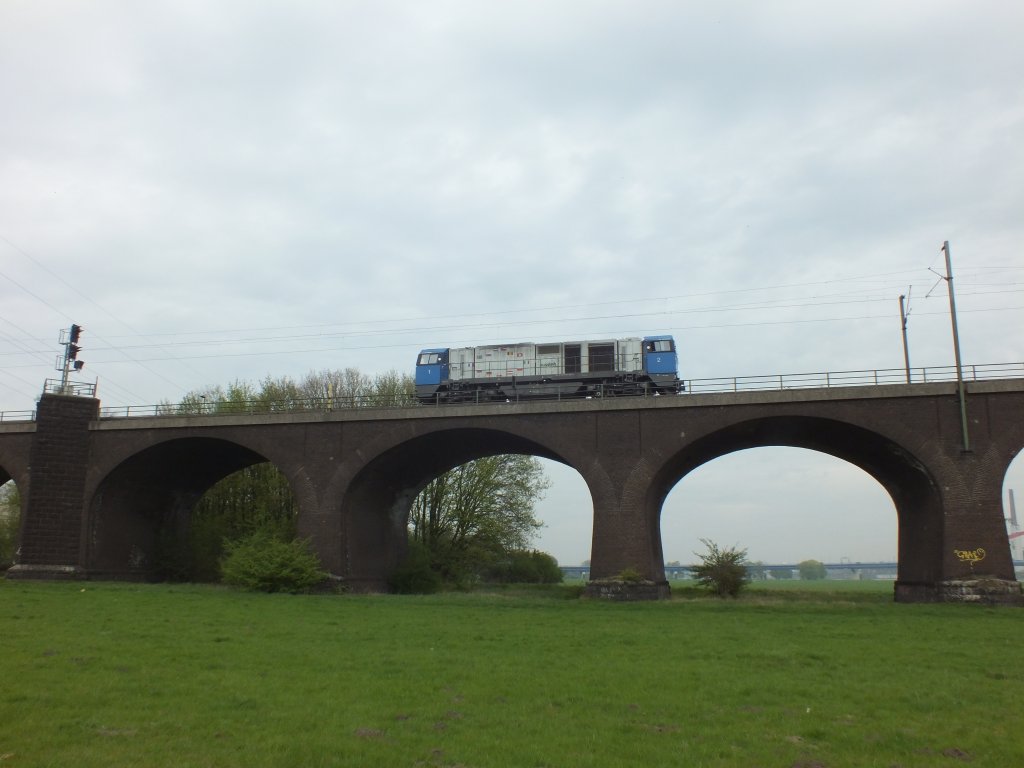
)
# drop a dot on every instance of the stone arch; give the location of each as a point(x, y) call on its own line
point(910, 484)
point(153, 490)
point(375, 507)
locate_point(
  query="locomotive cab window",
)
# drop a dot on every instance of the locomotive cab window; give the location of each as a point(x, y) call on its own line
point(659, 345)
point(429, 358)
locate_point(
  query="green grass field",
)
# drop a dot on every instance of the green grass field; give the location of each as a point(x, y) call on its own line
point(98, 674)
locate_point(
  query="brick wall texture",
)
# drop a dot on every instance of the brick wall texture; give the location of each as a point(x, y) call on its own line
point(59, 457)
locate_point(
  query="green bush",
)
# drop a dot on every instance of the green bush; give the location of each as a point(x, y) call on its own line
point(523, 566)
point(812, 570)
point(723, 571)
point(534, 567)
point(257, 498)
point(263, 563)
point(629, 576)
point(416, 575)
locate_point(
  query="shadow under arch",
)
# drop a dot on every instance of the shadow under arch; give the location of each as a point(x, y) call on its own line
point(7, 477)
point(14, 466)
point(152, 494)
point(911, 487)
point(375, 508)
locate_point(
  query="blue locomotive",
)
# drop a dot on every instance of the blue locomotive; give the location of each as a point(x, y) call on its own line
point(529, 371)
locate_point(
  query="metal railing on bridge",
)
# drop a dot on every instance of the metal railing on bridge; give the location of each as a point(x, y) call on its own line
point(259, 407)
point(785, 381)
point(69, 388)
point(11, 416)
point(826, 380)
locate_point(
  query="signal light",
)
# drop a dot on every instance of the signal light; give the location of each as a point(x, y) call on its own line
point(78, 365)
point(73, 350)
point(76, 331)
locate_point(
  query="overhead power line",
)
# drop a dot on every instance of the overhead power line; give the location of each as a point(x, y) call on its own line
point(538, 337)
point(75, 289)
point(425, 329)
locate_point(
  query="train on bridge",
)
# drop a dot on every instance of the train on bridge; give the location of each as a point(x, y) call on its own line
point(528, 371)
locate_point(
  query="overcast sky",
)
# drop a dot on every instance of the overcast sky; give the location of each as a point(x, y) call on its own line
point(222, 191)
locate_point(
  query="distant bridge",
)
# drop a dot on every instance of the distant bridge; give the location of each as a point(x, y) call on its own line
point(684, 571)
point(674, 572)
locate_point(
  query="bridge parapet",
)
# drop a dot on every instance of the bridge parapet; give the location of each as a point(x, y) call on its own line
point(147, 417)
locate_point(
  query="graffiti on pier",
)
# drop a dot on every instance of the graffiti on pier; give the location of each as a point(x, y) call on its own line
point(971, 556)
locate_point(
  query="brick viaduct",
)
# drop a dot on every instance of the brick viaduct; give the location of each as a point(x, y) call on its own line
point(97, 492)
